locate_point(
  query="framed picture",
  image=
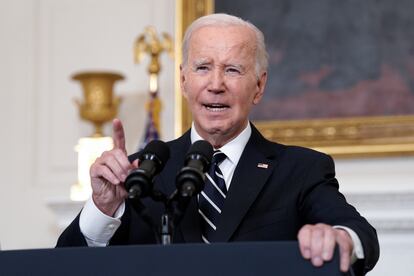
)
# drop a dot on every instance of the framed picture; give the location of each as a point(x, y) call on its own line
point(341, 73)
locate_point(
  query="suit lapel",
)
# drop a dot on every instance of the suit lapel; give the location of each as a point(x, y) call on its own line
point(254, 168)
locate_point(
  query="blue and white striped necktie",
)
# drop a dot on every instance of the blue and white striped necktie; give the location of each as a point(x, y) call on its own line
point(211, 199)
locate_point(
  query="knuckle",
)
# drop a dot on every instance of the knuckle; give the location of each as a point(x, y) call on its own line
point(119, 152)
point(105, 153)
point(303, 231)
point(97, 161)
point(94, 169)
point(324, 227)
point(306, 227)
point(108, 155)
point(341, 234)
point(116, 151)
point(318, 232)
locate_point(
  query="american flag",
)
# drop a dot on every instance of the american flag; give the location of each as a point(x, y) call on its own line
point(263, 165)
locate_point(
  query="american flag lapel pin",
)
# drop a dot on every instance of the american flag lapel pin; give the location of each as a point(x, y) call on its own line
point(263, 165)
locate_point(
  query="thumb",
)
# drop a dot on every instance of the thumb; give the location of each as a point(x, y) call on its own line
point(135, 163)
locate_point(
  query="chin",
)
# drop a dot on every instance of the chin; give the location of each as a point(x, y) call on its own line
point(212, 129)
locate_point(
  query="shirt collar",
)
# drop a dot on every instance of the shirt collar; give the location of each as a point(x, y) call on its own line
point(232, 149)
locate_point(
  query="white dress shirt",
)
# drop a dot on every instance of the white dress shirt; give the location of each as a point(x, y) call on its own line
point(99, 228)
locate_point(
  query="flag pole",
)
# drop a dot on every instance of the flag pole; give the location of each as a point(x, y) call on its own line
point(153, 45)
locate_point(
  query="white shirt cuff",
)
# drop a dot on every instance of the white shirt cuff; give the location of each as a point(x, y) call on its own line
point(96, 227)
point(358, 251)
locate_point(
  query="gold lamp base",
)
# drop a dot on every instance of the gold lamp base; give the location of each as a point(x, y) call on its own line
point(100, 106)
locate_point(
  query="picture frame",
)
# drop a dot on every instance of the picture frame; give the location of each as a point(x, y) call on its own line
point(359, 136)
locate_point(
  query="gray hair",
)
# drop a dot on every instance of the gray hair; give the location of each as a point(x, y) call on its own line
point(222, 19)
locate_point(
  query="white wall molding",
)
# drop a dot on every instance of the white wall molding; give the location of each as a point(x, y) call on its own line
point(387, 212)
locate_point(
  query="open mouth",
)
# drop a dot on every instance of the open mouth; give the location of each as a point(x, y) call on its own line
point(216, 107)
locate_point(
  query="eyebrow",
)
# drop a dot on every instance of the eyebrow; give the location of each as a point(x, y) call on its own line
point(240, 66)
point(200, 62)
point(206, 61)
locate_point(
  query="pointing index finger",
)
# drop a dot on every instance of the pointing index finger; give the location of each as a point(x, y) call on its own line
point(118, 135)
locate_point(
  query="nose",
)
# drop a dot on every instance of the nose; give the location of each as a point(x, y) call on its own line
point(216, 84)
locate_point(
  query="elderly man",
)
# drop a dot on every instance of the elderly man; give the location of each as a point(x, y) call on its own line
point(270, 191)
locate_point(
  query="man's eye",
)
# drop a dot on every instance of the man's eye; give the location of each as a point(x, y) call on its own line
point(201, 68)
point(233, 70)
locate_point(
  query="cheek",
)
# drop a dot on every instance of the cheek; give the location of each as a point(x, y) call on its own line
point(192, 86)
point(188, 90)
point(246, 96)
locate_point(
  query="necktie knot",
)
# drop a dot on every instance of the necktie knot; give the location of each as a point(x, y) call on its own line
point(218, 157)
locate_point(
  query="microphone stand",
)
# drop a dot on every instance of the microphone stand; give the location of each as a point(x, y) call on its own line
point(172, 216)
point(174, 208)
point(166, 229)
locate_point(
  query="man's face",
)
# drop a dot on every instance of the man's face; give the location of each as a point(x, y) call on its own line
point(219, 81)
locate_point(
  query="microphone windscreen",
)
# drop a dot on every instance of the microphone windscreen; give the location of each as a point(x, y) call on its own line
point(202, 148)
point(159, 149)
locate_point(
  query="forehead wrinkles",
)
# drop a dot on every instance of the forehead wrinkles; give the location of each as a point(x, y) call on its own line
point(211, 41)
point(241, 52)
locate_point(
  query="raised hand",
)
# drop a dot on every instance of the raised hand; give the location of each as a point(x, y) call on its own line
point(108, 173)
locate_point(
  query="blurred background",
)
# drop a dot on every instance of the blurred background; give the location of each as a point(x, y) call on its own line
point(45, 42)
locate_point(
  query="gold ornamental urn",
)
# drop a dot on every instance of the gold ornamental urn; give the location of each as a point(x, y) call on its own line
point(99, 105)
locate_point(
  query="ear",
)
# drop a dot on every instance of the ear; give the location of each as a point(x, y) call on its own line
point(261, 83)
point(182, 81)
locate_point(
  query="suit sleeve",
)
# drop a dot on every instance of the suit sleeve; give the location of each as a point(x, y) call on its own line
point(133, 230)
point(321, 202)
point(72, 236)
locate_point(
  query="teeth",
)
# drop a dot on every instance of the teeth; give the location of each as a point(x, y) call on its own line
point(216, 107)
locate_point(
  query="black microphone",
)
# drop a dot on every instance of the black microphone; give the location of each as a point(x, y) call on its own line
point(190, 179)
point(152, 160)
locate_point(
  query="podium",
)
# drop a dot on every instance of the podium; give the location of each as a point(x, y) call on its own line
point(252, 258)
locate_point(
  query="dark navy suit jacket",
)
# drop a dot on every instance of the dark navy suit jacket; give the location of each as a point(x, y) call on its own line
point(264, 203)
